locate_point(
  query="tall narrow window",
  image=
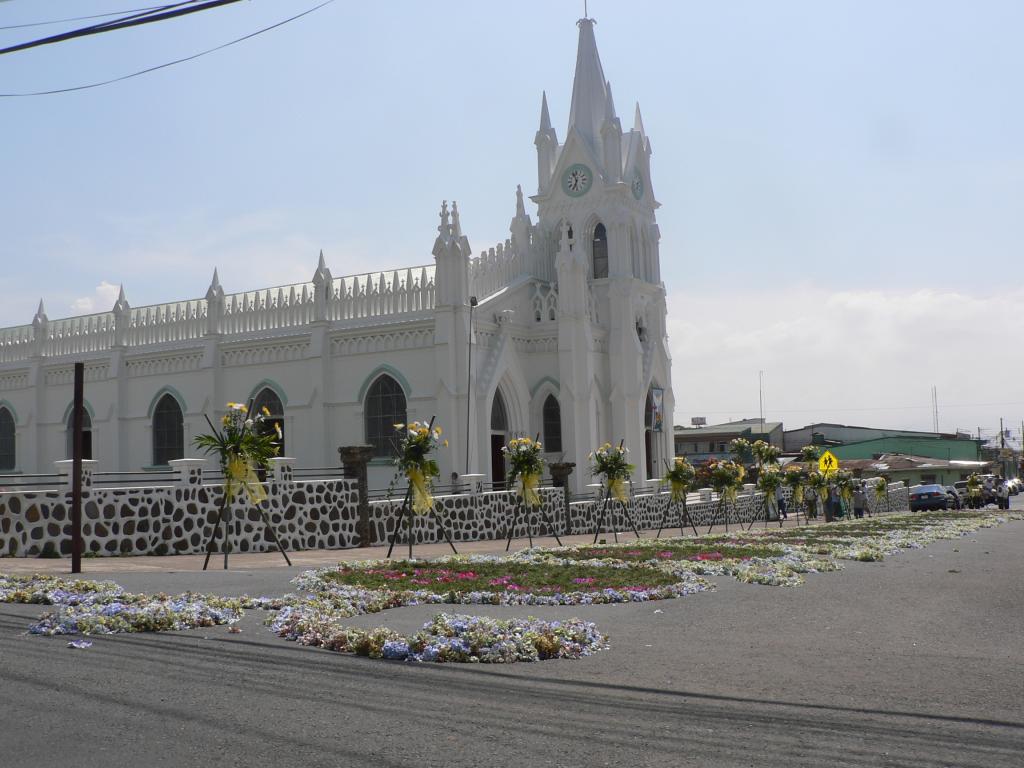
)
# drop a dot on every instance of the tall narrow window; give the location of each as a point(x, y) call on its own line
point(385, 407)
point(552, 418)
point(269, 404)
point(86, 434)
point(499, 417)
point(600, 248)
point(168, 431)
point(7, 455)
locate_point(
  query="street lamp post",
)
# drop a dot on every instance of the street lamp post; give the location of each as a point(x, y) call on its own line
point(469, 376)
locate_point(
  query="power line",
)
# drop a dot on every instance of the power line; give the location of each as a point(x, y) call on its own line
point(84, 18)
point(169, 63)
point(161, 14)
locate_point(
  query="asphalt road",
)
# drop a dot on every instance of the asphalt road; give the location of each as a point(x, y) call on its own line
point(915, 661)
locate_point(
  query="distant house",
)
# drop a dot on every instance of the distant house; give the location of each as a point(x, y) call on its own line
point(851, 442)
point(914, 470)
point(712, 442)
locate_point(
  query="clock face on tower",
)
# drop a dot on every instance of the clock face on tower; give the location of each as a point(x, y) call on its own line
point(638, 186)
point(576, 180)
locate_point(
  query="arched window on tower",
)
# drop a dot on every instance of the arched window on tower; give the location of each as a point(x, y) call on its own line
point(8, 458)
point(600, 249)
point(552, 418)
point(385, 406)
point(86, 434)
point(168, 431)
point(269, 404)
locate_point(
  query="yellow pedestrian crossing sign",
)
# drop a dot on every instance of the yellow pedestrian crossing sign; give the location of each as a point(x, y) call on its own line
point(828, 463)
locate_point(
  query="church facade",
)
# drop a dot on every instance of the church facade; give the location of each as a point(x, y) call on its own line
point(558, 331)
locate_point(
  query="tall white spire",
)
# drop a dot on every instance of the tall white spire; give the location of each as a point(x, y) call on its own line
point(589, 88)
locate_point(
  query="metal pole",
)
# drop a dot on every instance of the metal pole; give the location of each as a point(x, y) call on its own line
point(469, 377)
point(76, 470)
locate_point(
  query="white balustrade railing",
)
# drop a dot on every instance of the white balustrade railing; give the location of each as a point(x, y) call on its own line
point(365, 296)
point(272, 309)
point(346, 299)
point(161, 323)
point(498, 267)
point(76, 335)
point(16, 343)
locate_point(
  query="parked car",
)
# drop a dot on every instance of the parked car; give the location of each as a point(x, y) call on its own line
point(956, 501)
point(928, 497)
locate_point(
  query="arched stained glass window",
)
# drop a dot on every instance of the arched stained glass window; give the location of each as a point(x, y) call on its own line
point(552, 418)
point(600, 248)
point(168, 431)
point(385, 406)
point(8, 458)
point(273, 416)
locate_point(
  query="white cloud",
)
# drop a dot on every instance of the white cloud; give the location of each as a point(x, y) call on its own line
point(852, 356)
point(101, 300)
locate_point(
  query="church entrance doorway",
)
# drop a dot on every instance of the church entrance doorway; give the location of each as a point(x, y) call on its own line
point(499, 436)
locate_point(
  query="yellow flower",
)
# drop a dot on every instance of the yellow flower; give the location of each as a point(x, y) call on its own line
point(398, 426)
point(225, 420)
point(446, 443)
point(265, 410)
point(277, 428)
point(438, 430)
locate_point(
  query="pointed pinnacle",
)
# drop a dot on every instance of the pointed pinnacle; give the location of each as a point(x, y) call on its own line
point(216, 278)
point(545, 117)
point(520, 205)
point(638, 122)
point(321, 264)
point(609, 105)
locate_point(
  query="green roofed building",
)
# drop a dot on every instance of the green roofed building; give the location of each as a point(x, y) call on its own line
point(948, 448)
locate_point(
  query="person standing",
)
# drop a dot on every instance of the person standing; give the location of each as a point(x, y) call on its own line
point(780, 502)
point(860, 500)
point(1003, 494)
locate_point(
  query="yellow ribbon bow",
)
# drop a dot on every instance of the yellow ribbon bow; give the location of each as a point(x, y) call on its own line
point(617, 486)
point(530, 482)
point(240, 474)
point(422, 501)
point(678, 490)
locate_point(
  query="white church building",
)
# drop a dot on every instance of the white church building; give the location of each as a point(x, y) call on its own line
point(558, 331)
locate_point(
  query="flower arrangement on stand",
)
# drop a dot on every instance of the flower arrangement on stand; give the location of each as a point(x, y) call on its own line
point(680, 479)
point(417, 441)
point(243, 447)
point(526, 465)
point(769, 480)
point(726, 479)
point(611, 465)
point(818, 484)
point(795, 478)
point(843, 482)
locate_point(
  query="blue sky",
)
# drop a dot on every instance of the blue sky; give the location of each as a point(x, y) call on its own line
point(856, 168)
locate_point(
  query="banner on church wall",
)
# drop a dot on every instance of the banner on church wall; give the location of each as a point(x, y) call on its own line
point(657, 409)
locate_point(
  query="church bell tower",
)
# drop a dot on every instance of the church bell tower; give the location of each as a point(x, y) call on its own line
point(597, 222)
